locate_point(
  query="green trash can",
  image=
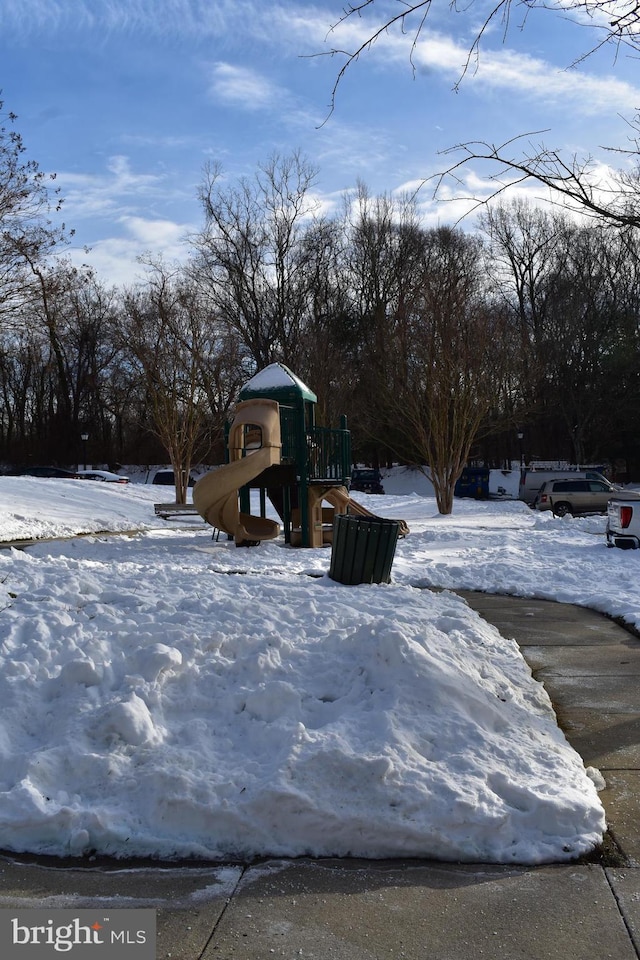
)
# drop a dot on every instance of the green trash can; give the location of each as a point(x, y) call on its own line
point(363, 549)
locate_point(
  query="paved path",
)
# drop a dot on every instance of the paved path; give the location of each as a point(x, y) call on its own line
point(360, 910)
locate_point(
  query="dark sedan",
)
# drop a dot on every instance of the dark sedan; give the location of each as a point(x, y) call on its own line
point(48, 472)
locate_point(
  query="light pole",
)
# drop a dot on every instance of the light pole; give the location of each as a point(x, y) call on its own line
point(520, 436)
point(84, 437)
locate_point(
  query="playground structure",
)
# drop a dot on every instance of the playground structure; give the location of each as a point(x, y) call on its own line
point(275, 447)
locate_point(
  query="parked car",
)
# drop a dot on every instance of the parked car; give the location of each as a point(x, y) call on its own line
point(531, 480)
point(166, 478)
point(576, 496)
point(623, 521)
point(366, 480)
point(104, 475)
point(47, 472)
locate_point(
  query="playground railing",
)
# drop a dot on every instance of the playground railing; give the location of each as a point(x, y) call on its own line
point(329, 454)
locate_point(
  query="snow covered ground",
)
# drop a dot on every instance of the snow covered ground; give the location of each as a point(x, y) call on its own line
point(163, 694)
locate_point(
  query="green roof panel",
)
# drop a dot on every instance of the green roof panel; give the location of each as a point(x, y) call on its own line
point(277, 382)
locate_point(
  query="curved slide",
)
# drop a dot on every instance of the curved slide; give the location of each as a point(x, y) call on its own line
point(215, 495)
point(216, 498)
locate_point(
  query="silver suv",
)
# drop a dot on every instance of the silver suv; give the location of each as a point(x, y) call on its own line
point(575, 496)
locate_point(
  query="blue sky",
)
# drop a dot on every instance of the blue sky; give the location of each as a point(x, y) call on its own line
point(126, 100)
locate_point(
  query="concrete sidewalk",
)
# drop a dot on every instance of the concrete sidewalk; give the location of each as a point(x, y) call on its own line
point(363, 910)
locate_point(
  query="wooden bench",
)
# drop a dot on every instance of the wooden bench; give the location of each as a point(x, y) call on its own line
point(166, 510)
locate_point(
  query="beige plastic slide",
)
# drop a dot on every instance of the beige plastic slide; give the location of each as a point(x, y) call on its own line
point(254, 445)
point(339, 498)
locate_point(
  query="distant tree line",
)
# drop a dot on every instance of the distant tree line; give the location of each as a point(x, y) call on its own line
point(441, 346)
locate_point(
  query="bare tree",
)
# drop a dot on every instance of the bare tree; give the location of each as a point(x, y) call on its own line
point(572, 179)
point(21, 366)
point(383, 256)
point(521, 254)
point(28, 201)
point(168, 333)
point(583, 322)
point(617, 23)
point(327, 347)
point(252, 258)
point(444, 363)
point(63, 326)
point(526, 157)
point(571, 293)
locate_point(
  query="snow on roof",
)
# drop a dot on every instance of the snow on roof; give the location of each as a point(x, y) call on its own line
point(275, 377)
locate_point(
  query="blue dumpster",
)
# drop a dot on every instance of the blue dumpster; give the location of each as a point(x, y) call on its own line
point(473, 482)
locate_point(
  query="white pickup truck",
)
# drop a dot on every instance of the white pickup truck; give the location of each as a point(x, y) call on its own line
point(623, 522)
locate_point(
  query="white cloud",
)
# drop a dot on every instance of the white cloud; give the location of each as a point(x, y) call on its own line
point(307, 30)
point(116, 259)
point(537, 79)
point(155, 234)
point(117, 190)
point(159, 141)
point(111, 212)
point(244, 87)
point(343, 147)
point(172, 18)
point(500, 69)
point(124, 179)
point(459, 201)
